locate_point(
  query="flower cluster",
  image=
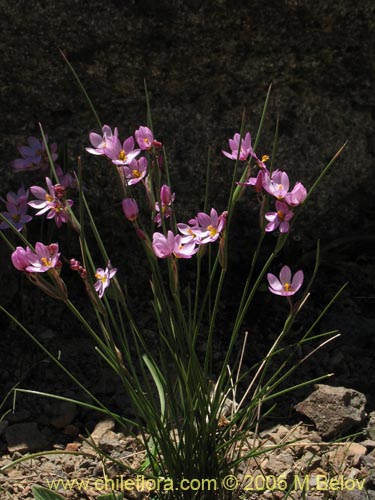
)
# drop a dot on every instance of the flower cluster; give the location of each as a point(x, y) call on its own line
point(124, 154)
point(44, 258)
point(276, 184)
point(202, 229)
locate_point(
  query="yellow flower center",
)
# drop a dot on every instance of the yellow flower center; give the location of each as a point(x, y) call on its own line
point(146, 141)
point(100, 277)
point(16, 217)
point(212, 229)
point(49, 197)
point(287, 286)
point(265, 158)
point(136, 173)
point(46, 262)
point(122, 155)
point(280, 214)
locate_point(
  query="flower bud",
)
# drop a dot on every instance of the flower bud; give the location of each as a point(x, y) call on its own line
point(130, 209)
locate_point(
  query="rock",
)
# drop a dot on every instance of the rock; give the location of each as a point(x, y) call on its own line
point(110, 440)
point(3, 426)
point(356, 495)
point(64, 414)
point(371, 425)
point(334, 410)
point(101, 428)
point(24, 438)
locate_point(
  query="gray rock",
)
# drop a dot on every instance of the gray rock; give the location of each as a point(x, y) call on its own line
point(356, 495)
point(371, 425)
point(24, 438)
point(334, 410)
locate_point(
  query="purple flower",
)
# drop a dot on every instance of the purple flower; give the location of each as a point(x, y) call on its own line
point(100, 141)
point(135, 171)
point(121, 154)
point(246, 148)
point(104, 278)
point(16, 204)
point(144, 137)
point(277, 184)
point(279, 219)
point(285, 285)
point(52, 201)
point(17, 216)
point(130, 209)
point(34, 156)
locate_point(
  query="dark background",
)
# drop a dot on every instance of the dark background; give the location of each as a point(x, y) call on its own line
point(204, 62)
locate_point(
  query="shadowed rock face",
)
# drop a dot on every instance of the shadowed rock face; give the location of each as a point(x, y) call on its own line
point(204, 61)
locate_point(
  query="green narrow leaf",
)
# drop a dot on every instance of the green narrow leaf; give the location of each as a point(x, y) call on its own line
point(41, 493)
point(159, 381)
point(111, 496)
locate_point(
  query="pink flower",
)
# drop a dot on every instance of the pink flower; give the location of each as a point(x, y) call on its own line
point(297, 195)
point(277, 184)
point(172, 245)
point(257, 181)
point(121, 154)
point(104, 279)
point(208, 227)
point(20, 258)
point(285, 286)
point(144, 137)
point(166, 198)
point(34, 156)
point(44, 258)
point(130, 209)
point(189, 233)
point(163, 246)
point(53, 202)
point(100, 141)
point(245, 151)
point(279, 219)
point(135, 171)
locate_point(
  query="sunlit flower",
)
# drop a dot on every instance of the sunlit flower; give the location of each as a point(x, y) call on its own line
point(46, 257)
point(104, 278)
point(172, 245)
point(121, 154)
point(285, 285)
point(297, 195)
point(135, 171)
point(52, 201)
point(99, 142)
point(20, 258)
point(144, 137)
point(208, 227)
point(279, 219)
point(246, 148)
point(277, 184)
